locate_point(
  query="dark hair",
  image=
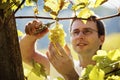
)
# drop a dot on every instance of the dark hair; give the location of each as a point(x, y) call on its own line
point(100, 25)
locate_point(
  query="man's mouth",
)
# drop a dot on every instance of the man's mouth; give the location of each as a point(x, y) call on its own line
point(81, 44)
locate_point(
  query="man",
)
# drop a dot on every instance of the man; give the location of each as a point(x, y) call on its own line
point(86, 39)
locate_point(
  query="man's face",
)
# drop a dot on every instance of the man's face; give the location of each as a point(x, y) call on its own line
point(84, 37)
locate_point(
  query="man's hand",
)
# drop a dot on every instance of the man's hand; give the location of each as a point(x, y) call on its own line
point(33, 26)
point(62, 61)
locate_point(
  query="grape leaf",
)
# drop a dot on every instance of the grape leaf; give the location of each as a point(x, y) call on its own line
point(103, 61)
point(20, 33)
point(81, 1)
point(54, 6)
point(35, 1)
point(59, 78)
point(114, 54)
point(15, 5)
point(96, 73)
point(99, 2)
point(29, 3)
point(107, 65)
point(46, 8)
point(29, 73)
point(80, 4)
point(63, 4)
point(100, 54)
point(85, 13)
point(3, 1)
point(36, 11)
point(38, 69)
point(86, 72)
point(53, 14)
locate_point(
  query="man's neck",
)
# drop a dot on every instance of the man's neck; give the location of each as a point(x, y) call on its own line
point(85, 60)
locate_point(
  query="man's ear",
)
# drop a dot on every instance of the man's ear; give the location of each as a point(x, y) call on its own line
point(102, 39)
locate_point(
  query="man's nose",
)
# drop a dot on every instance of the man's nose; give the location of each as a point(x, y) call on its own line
point(81, 35)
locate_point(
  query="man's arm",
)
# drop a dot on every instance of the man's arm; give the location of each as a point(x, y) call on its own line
point(72, 75)
point(28, 49)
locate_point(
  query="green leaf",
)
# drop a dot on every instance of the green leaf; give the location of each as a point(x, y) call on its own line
point(38, 69)
point(29, 73)
point(29, 3)
point(99, 2)
point(85, 73)
point(3, 1)
point(100, 53)
point(63, 4)
point(107, 65)
point(86, 2)
point(59, 78)
point(85, 13)
point(103, 61)
point(54, 6)
point(78, 6)
point(35, 1)
point(53, 14)
point(114, 54)
point(96, 73)
point(46, 8)
point(36, 11)
point(15, 5)
point(20, 33)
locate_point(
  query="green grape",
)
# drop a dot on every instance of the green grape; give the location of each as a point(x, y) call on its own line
point(57, 34)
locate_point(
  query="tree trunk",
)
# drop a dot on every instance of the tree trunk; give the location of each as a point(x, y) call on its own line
point(10, 57)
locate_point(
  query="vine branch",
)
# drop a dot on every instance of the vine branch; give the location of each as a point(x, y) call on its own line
point(67, 18)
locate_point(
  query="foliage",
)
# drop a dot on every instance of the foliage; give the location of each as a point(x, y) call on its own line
point(35, 72)
point(85, 7)
point(54, 6)
point(20, 33)
point(107, 66)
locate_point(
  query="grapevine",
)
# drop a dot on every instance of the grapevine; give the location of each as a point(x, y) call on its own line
point(57, 34)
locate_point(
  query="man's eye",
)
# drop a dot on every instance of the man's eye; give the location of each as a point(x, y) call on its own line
point(76, 32)
point(87, 31)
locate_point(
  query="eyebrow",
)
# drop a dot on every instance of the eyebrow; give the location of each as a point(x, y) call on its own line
point(85, 29)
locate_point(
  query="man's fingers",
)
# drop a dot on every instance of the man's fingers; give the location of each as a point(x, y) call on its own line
point(67, 49)
point(32, 26)
point(60, 49)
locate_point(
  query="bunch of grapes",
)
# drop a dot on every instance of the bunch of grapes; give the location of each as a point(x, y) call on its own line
point(57, 34)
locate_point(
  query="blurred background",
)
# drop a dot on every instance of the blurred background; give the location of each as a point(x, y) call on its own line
point(112, 25)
